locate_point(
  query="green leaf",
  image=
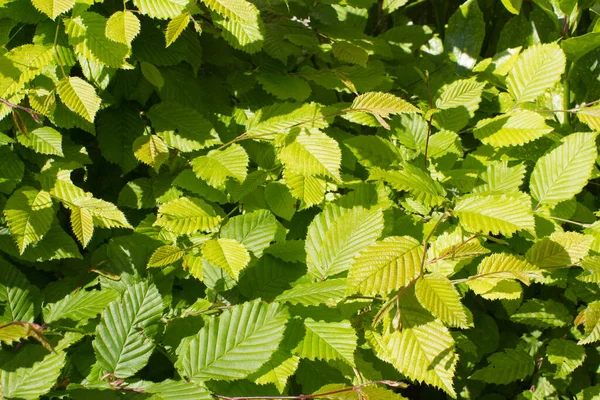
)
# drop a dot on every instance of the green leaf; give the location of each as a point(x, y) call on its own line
point(566, 355)
point(11, 170)
point(590, 116)
point(431, 347)
point(87, 35)
point(177, 390)
point(117, 130)
point(165, 255)
point(308, 189)
point(227, 254)
point(312, 154)
point(514, 6)
point(561, 249)
point(277, 370)
point(437, 294)
point(590, 317)
point(181, 127)
point(235, 344)
point(385, 266)
point(458, 102)
point(121, 345)
point(284, 86)
point(413, 180)
point(380, 105)
point(152, 74)
point(537, 70)
point(281, 117)
point(17, 295)
point(280, 200)
point(82, 223)
point(53, 8)
point(563, 172)
point(501, 178)
point(350, 53)
point(495, 213)
point(29, 214)
point(373, 151)
point(151, 150)
point(242, 35)
point(34, 370)
point(542, 314)
point(511, 129)
point(175, 27)
point(255, 230)
point(241, 10)
point(80, 306)
point(44, 140)
point(509, 366)
point(337, 235)
point(162, 9)
point(312, 294)
point(219, 165)
point(328, 341)
point(122, 27)
point(464, 35)
point(579, 46)
point(79, 96)
point(187, 215)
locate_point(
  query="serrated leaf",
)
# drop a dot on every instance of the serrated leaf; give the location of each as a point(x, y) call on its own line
point(423, 350)
point(53, 8)
point(511, 129)
point(509, 366)
point(590, 318)
point(413, 180)
point(385, 266)
point(82, 223)
point(281, 117)
point(309, 190)
point(121, 345)
point(175, 27)
point(242, 35)
point(177, 390)
point(219, 165)
point(590, 116)
point(162, 9)
point(328, 341)
point(187, 215)
point(277, 370)
point(44, 140)
point(373, 151)
point(315, 293)
point(241, 10)
point(122, 27)
point(437, 294)
point(495, 213)
point(465, 34)
point(561, 249)
point(280, 200)
point(284, 86)
point(350, 53)
point(538, 68)
point(542, 314)
point(165, 255)
point(563, 172)
point(254, 230)
point(17, 295)
point(312, 154)
point(151, 150)
point(378, 104)
point(227, 254)
point(152, 74)
point(29, 214)
point(79, 96)
point(457, 103)
point(501, 178)
point(566, 355)
point(80, 306)
point(337, 235)
point(235, 344)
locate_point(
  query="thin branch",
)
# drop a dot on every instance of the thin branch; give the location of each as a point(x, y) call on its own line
point(354, 388)
point(570, 221)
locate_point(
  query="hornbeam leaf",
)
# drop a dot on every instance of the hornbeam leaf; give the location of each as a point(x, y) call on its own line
point(227, 254)
point(542, 314)
point(242, 35)
point(328, 341)
point(590, 116)
point(437, 294)
point(16, 294)
point(277, 370)
point(414, 180)
point(80, 306)
point(151, 150)
point(255, 230)
point(457, 103)
point(511, 129)
point(312, 154)
point(509, 366)
point(308, 189)
point(590, 318)
point(187, 215)
point(379, 105)
point(165, 255)
point(79, 96)
point(53, 8)
point(315, 293)
point(219, 165)
point(29, 214)
point(235, 344)
point(162, 9)
point(175, 27)
point(495, 213)
point(561, 249)
point(44, 140)
point(423, 350)
point(465, 34)
point(337, 235)
point(385, 266)
point(566, 355)
point(122, 27)
point(538, 68)
point(281, 117)
point(241, 10)
point(563, 172)
point(122, 346)
point(82, 223)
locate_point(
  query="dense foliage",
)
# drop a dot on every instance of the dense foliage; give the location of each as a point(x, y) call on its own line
point(373, 199)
